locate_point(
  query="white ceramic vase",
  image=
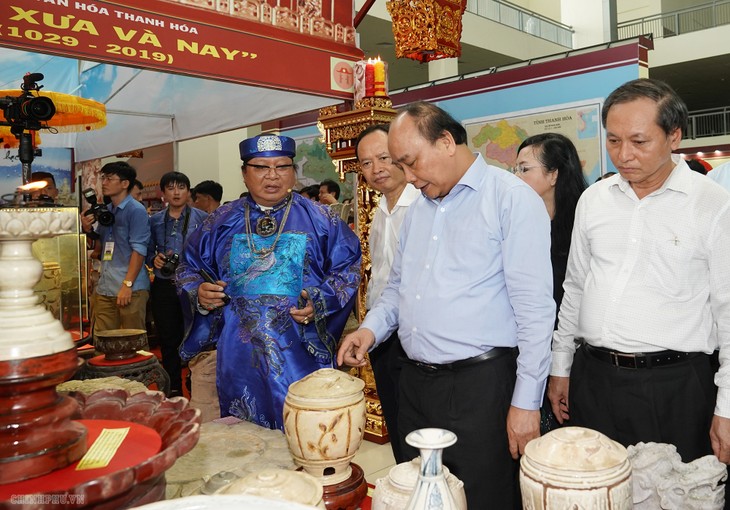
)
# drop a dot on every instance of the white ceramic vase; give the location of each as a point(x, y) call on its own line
point(324, 423)
point(393, 491)
point(575, 467)
point(432, 491)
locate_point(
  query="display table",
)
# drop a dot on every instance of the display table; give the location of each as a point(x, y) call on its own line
point(227, 444)
point(232, 445)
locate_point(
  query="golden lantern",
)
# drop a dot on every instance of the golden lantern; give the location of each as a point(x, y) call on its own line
point(426, 30)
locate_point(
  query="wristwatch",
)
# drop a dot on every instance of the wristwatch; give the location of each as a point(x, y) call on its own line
point(128, 283)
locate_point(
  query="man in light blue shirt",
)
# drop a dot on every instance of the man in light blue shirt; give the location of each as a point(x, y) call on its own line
point(470, 283)
point(721, 175)
point(169, 231)
point(121, 295)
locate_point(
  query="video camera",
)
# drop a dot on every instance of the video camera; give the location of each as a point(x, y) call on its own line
point(26, 111)
point(100, 212)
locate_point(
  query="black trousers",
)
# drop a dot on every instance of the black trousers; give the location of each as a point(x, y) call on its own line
point(473, 403)
point(387, 362)
point(167, 312)
point(672, 404)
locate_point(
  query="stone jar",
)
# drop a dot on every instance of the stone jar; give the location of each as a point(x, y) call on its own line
point(393, 491)
point(575, 467)
point(324, 423)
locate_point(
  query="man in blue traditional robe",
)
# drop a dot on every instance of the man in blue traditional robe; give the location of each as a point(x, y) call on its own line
point(291, 269)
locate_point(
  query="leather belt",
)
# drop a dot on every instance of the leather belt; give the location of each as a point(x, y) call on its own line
point(638, 359)
point(493, 353)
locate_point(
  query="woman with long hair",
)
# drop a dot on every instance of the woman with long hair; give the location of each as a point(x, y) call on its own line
point(549, 163)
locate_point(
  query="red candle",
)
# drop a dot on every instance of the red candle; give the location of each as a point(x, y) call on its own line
point(369, 79)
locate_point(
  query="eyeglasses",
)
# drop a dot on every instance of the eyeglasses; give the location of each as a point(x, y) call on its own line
point(383, 160)
point(173, 187)
point(521, 169)
point(263, 170)
point(108, 177)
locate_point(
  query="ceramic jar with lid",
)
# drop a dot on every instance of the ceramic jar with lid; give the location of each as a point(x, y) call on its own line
point(279, 484)
point(392, 492)
point(575, 467)
point(324, 423)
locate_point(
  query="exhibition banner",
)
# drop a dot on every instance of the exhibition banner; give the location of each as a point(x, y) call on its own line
point(273, 46)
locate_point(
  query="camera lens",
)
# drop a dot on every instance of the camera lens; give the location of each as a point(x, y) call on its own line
point(104, 216)
point(38, 108)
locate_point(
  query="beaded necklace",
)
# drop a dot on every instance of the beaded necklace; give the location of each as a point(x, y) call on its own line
point(265, 252)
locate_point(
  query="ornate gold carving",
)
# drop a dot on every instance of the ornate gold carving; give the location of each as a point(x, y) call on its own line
point(427, 30)
point(373, 102)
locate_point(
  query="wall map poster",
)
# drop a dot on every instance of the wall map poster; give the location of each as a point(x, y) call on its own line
point(497, 137)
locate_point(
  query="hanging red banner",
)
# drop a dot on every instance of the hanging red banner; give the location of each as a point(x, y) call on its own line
point(292, 47)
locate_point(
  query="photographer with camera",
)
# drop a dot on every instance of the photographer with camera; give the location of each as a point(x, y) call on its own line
point(170, 228)
point(123, 232)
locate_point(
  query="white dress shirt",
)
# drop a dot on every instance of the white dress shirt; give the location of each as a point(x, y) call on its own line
point(652, 274)
point(384, 234)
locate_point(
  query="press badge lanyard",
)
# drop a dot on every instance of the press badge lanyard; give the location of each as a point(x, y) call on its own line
point(184, 230)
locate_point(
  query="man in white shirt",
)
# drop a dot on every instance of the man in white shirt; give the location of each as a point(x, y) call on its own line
point(647, 289)
point(371, 149)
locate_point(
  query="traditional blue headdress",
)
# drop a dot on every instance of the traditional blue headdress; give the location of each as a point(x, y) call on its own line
point(267, 146)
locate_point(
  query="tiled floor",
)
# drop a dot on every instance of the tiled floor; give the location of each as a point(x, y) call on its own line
point(375, 460)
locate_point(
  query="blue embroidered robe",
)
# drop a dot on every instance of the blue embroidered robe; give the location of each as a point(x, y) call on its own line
point(261, 349)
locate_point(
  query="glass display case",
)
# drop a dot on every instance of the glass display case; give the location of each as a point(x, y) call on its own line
point(63, 289)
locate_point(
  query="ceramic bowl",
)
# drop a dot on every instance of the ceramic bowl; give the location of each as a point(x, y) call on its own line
point(280, 484)
point(117, 344)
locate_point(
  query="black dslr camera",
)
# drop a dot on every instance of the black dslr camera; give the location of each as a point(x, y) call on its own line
point(170, 265)
point(100, 212)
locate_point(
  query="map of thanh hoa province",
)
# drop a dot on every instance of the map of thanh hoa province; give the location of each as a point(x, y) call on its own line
point(502, 140)
point(498, 139)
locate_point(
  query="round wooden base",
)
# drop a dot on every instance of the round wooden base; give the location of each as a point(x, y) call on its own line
point(37, 434)
point(348, 494)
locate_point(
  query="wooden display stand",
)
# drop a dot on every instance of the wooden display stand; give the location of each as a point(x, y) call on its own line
point(37, 434)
